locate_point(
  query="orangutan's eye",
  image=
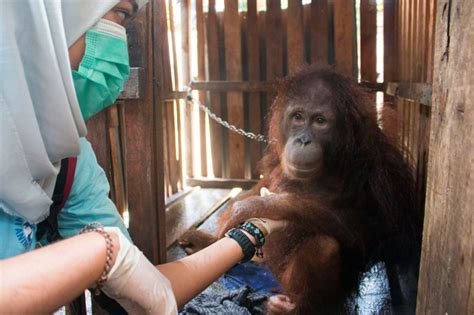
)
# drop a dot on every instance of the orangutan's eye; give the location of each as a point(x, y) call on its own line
point(297, 116)
point(320, 120)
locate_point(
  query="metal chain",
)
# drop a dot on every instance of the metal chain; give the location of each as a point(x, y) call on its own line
point(219, 120)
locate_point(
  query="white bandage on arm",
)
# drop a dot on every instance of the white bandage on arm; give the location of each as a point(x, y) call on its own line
point(136, 284)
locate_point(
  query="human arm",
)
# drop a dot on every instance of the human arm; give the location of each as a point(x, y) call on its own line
point(41, 281)
point(192, 274)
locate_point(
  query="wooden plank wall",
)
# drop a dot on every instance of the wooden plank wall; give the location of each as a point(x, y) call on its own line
point(255, 44)
point(409, 58)
point(446, 284)
point(129, 137)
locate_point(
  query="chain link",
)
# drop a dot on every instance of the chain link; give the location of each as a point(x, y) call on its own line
point(222, 122)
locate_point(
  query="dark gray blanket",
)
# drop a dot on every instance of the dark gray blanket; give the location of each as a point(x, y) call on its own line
point(216, 299)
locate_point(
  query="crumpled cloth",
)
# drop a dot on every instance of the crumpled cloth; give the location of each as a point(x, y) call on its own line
point(216, 299)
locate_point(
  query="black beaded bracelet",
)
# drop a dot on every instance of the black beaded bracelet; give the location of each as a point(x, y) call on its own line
point(247, 247)
point(253, 230)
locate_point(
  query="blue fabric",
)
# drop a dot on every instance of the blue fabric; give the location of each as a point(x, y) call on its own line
point(17, 236)
point(89, 198)
point(256, 276)
point(88, 201)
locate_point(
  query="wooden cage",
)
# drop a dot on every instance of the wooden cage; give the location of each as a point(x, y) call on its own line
point(230, 52)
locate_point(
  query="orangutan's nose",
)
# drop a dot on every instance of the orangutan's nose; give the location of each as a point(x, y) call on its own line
point(303, 139)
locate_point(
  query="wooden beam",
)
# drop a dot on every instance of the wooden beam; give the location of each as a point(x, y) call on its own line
point(134, 87)
point(446, 282)
point(417, 92)
point(160, 36)
point(412, 91)
point(222, 183)
point(225, 86)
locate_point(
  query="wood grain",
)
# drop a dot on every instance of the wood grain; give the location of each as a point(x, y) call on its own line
point(344, 36)
point(446, 284)
point(235, 106)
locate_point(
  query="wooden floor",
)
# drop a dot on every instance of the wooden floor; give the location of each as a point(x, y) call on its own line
point(192, 210)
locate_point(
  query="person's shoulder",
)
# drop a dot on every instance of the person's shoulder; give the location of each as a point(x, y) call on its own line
point(87, 164)
point(86, 146)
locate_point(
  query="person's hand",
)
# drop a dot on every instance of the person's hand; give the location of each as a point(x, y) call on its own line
point(136, 284)
point(268, 226)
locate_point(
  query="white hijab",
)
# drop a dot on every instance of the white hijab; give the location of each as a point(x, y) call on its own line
point(40, 119)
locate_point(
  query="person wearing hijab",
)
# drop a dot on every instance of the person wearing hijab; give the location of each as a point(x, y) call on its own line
point(43, 106)
point(65, 61)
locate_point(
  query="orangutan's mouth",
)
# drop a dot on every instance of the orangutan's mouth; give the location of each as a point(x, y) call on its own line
point(300, 172)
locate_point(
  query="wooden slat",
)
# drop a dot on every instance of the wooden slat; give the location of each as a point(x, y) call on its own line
point(421, 77)
point(118, 189)
point(272, 34)
point(319, 31)
point(229, 85)
point(429, 44)
point(399, 67)
point(284, 27)
point(97, 135)
point(411, 62)
point(160, 66)
point(417, 92)
point(446, 284)
point(295, 36)
point(417, 77)
point(222, 183)
point(344, 36)
point(175, 169)
point(171, 165)
point(404, 49)
point(253, 64)
point(235, 110)
point(268, 86)
point(143, 194)
point(200, 41)
point(390, 35)
point(123, 139)
point(222, 67)
point(425, 125)
point(368, 32)
point(215, 103)
point(191, 210)
point(273, 41)
point(186, 112)
point(166, 158)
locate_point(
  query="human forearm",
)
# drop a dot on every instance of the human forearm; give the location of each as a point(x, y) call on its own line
point(41, 281)
point(192, 274)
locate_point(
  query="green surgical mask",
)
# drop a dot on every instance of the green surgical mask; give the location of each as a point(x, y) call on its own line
point(103, 69)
